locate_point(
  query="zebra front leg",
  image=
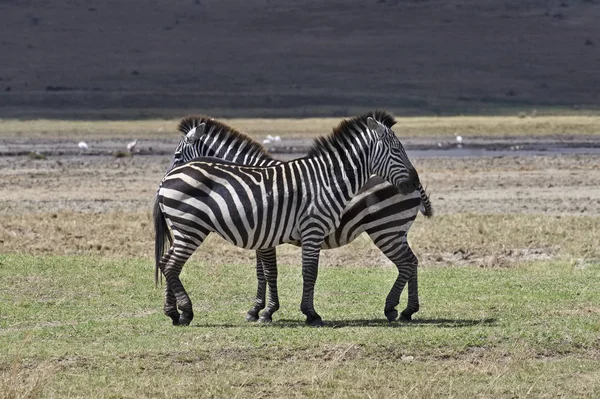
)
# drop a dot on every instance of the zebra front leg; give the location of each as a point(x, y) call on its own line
point(406, 262)
point(310, 268)
point(269, 261)
point(259, 302)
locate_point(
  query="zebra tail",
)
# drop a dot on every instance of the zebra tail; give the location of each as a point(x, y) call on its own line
point(161, 231)
point(426, 207)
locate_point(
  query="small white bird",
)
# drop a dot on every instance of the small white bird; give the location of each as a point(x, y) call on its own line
point(131, 145)
point(270, 138)
point(82, 145)
point(266, 141)
point(459, 141)
point(277, 138)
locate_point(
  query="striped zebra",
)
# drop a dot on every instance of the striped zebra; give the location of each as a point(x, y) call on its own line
point(259, 207)
point(379, 209)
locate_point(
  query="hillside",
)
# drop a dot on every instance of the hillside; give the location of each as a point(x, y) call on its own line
point(135, 58)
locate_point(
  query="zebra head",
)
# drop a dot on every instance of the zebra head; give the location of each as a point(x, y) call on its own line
point(389, 160)
point(188, 147)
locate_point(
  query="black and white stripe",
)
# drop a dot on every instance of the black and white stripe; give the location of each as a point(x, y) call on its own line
point(297, 201)
point(379, 209)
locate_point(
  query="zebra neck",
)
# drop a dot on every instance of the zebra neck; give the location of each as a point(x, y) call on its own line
point(343, 174)
point(236, 151)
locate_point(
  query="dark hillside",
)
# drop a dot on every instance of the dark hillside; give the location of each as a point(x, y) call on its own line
point(143, 57)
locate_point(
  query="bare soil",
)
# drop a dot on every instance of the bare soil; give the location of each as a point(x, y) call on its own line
point(490, 211)
point(564, 184)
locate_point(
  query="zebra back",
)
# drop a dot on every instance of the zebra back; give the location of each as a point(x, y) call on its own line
point(204, 136)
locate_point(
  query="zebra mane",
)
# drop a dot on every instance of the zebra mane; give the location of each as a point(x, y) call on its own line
point(221, 132)
point(347, 128)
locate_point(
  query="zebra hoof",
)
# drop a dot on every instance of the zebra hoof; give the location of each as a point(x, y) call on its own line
point(175, 318)
point(265, 319)
point(406, 316)
point(185, 320)
point(252, 317)
point(392, 315)
point(315, 321)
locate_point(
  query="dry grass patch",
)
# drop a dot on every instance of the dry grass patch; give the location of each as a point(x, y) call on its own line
point(461, 239)
point(25, 381)
point(505, 240)
point(308, 127)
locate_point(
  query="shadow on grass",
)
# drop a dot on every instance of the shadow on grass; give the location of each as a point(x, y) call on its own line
point(444, 323)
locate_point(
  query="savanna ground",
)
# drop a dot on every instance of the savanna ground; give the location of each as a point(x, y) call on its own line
point(509, 277)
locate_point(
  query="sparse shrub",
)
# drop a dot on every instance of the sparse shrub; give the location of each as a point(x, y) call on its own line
point(122, 154)
point(20, 381)
point(36, 155)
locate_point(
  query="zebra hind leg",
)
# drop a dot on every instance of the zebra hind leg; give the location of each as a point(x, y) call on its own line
point(170, 305)
point(175, 295)
point(413, 296)
point(406, 262)
point(269, 261)
point(259, 302)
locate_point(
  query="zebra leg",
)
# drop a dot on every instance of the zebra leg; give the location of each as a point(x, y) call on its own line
point(406, 262)
point(269, 261)
point(310, 267)
point(170, 306)
point(175, 295)
point(413, 295)
point(259, 302)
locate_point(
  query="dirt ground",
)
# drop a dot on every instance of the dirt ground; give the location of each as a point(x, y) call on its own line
point(552, 184)
point(490, 210)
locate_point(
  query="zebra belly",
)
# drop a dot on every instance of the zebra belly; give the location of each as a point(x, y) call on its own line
point(380, 210)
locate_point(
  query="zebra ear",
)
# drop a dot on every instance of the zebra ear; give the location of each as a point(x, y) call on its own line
point(195, 133)
point(377, 127)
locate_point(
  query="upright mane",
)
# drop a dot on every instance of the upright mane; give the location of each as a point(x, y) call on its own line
point(217, 132)
point(347, 129)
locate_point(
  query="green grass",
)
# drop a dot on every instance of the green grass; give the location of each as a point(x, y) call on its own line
point(93, 327)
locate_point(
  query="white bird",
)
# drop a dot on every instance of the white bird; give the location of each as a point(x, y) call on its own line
point(270, 138)
point(82, 145)
point(131, 145)
point(266, 141)
point(459, 141)
point(277, 138)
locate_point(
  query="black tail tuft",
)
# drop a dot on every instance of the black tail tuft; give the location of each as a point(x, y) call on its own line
point(426, 207)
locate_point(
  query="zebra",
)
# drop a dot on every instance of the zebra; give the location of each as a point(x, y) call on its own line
point(379, 209)
point(259, 207)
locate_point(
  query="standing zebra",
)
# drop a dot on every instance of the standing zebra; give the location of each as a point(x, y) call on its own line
point(261, 207)
point(379, 209)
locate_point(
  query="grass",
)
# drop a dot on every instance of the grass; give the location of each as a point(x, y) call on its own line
point(89, 326)
point(488, 240)
point(509, 301)
point(309, 127)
